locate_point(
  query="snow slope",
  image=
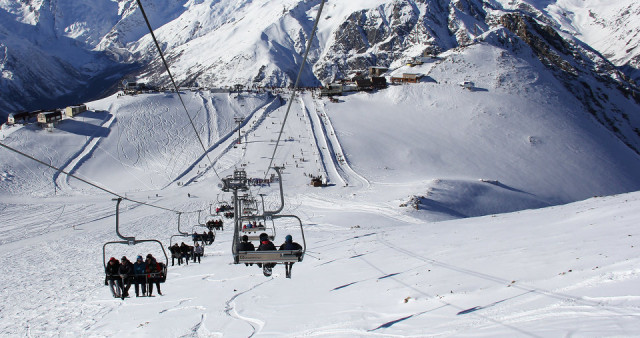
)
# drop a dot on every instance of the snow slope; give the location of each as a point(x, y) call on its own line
point(471, 260)
point(569, 269)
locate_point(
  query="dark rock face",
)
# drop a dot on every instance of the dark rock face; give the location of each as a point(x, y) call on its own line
point(543, 40)
point(398, 31)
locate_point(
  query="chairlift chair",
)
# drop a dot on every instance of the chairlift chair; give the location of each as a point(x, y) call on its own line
point(216, 222)
point(273, 256)
point(254, 232)
point(198, 237)
point(162, 276)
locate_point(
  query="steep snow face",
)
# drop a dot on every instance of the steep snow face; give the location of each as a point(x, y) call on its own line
point(224, 49)
point(83, 21)
point(518, 115)
point(602, 90)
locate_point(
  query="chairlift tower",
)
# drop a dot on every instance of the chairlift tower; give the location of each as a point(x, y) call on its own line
point(239, 121)
point(235, 183)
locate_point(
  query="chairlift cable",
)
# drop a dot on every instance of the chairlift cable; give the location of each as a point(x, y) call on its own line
point(195, 130)
point(295, 86)
point(87, 181)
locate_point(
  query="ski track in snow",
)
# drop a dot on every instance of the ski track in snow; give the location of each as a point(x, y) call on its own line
point(327, 153)
point(232, 311)
point(226, 158)
point(338, 156)
point(82, 155)
point(320, 144)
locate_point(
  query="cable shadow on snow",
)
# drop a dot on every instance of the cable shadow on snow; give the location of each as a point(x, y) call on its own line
point(427, 204)
point(477, 308)
point(503, 186)
point(396, 321)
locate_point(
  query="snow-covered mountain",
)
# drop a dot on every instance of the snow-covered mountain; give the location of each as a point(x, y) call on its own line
point(62, 51)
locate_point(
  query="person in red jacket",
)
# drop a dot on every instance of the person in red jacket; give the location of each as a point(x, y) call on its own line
point(154, 272)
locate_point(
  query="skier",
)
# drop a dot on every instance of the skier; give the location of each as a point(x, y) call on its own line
point(175, 253)
point(289, 244)
point(198, 252)
point(210, 237)
point(154, 271)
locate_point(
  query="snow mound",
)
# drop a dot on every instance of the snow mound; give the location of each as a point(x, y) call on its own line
point(461, 198)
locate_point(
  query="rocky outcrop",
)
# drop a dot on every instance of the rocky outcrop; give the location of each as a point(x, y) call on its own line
point(398, 31)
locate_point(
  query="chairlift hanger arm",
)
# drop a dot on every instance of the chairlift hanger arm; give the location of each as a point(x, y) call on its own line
point(304, 241)
point(268, 213)
point(129, 239)
point(180, 231)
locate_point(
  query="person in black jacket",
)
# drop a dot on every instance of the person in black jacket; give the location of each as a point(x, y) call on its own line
point(266, 245)
point(289, 244)
point(245, 245)
point(112, 277)
point(210, 237)
point(175, 253)
point(185, 250)
point(126, 274)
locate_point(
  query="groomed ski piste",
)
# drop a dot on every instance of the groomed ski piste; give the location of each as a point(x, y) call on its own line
point(507, 238)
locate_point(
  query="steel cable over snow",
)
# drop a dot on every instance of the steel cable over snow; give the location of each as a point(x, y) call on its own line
point(89, 182)
point(295, 86)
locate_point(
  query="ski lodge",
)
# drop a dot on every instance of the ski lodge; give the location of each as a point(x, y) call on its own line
point(377, 71)
point(22, 117)
point(50, 117)
point(72, 111)
point(406, 78)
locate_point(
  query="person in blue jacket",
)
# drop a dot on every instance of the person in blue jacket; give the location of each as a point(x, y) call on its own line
point(139, 268)
point(289, 244)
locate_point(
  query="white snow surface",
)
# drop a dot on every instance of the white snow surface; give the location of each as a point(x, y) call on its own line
point(493, 249)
